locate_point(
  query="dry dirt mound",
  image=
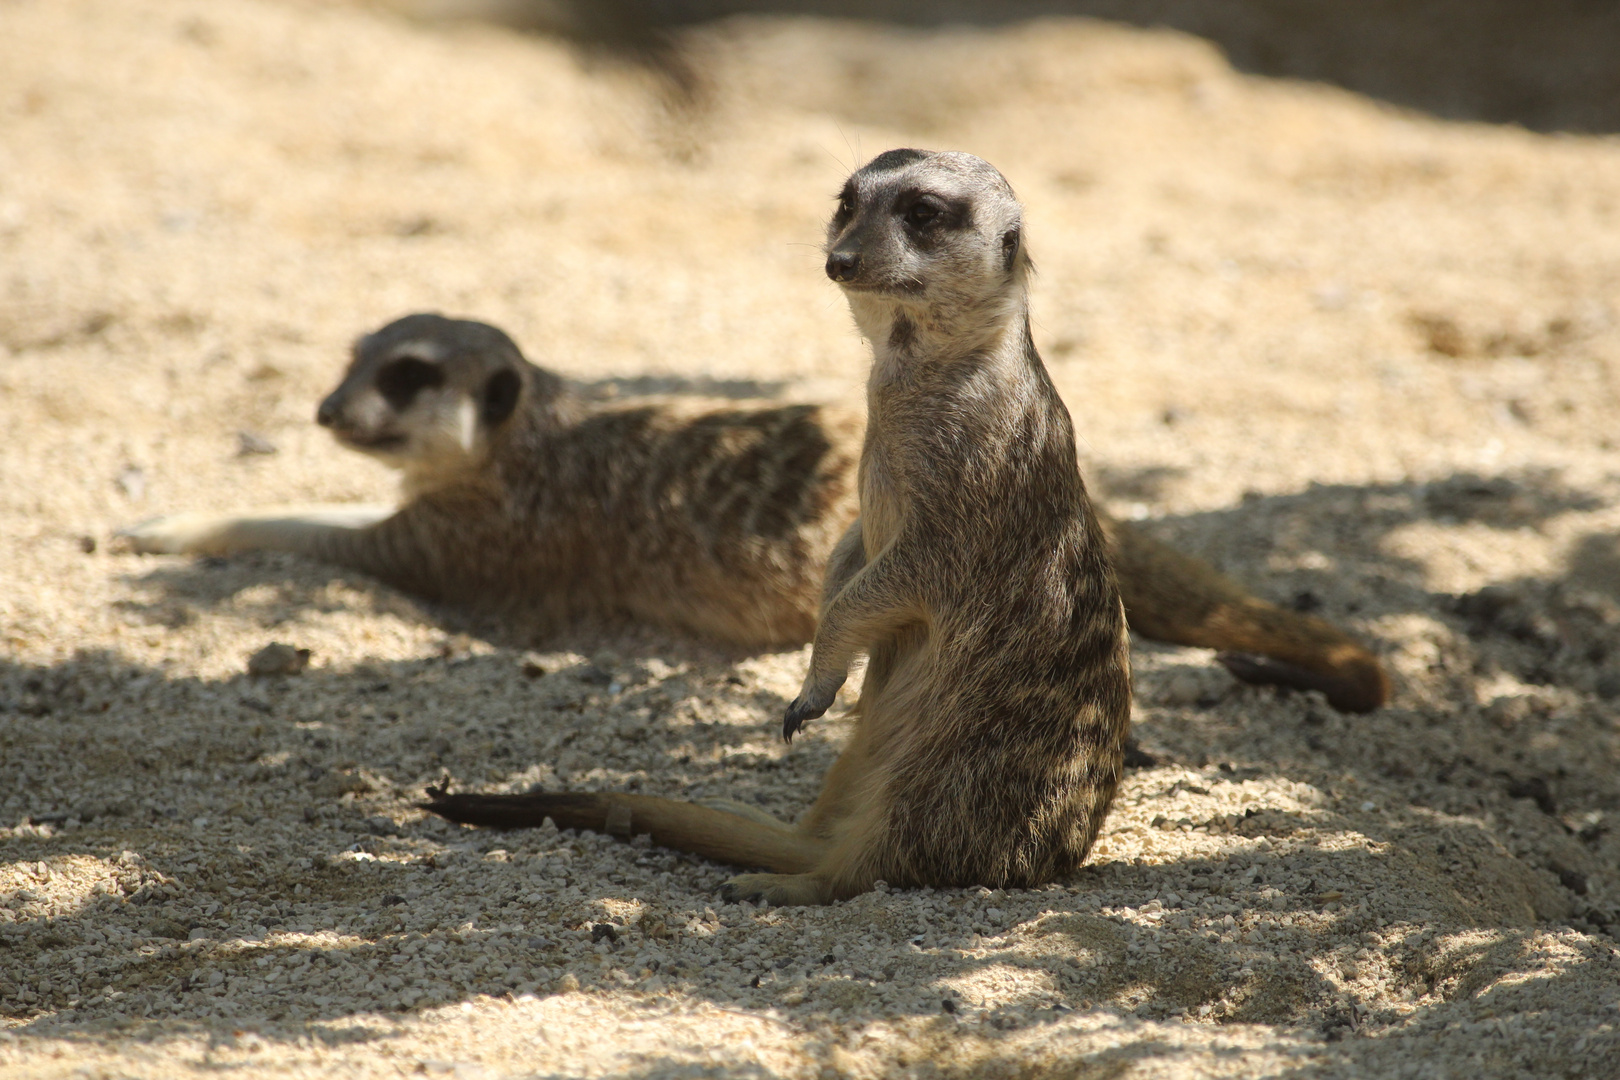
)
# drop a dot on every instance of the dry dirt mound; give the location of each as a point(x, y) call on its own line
point(1365, 360)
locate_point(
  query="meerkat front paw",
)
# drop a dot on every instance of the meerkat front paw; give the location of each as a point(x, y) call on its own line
point(172, 534)
point(812, 702)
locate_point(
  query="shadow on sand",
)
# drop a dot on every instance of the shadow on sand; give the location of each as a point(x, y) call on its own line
point(323, 767)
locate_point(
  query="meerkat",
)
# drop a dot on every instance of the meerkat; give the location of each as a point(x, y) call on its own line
point(517, 494)
point(975, 580)
point(519, 497)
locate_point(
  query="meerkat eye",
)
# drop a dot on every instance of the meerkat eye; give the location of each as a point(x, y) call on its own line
point(922, 213)
point(846, 202)
point(501, 394)
point(401, 380)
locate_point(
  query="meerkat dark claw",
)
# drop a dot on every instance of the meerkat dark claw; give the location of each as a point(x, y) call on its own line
point(797, 713)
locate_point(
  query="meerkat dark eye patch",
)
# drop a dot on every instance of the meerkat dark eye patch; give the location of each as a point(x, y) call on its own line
point(401, 380)
point(501, 395)
point(923, 211)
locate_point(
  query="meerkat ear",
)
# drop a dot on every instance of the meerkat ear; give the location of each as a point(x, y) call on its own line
point(501, 395)
point(1009, 247)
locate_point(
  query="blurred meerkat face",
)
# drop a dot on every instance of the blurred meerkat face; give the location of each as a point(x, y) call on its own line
point(923, 229)
point(426, 392)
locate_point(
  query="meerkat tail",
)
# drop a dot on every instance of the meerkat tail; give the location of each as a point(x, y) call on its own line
point(699, 830)
point(1171, 596)
point(1345, 693)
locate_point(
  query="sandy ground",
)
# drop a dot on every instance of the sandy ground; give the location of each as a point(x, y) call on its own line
point(1365, 360)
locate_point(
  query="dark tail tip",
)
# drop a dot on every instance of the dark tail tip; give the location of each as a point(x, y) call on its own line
point(1362, 691)
point(568, 809)
point(441, 802)
point(492, 811)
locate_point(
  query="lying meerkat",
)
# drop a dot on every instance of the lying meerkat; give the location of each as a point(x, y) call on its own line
point(718, 521)
point(517, 494)
point(976, 580)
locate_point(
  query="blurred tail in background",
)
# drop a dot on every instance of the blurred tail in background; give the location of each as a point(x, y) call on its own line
point(1170, 596)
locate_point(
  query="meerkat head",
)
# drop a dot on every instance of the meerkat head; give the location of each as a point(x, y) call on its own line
point(426, 394)
point(928, 239)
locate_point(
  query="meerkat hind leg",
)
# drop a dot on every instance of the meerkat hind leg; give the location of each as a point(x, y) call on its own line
point(778, 890)
point(860, 852)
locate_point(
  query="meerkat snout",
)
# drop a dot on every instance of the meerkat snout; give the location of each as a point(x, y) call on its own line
point(843, 265)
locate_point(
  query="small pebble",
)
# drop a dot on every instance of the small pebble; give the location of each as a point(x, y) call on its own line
point(132, 482)
point(249, 444)
point(278, 658)
point(1183, 688)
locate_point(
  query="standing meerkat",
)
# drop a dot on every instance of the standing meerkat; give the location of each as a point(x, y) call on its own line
point(519, 497)
point(976, 580)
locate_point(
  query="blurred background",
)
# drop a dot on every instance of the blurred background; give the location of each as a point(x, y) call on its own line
point(1548, 67)
point(1387, 231)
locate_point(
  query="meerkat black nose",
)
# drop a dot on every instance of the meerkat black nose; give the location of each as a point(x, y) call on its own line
point(326, 415)
point(843, 265)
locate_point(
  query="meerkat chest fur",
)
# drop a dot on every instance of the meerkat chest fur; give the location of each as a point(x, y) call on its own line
point(946, 434)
